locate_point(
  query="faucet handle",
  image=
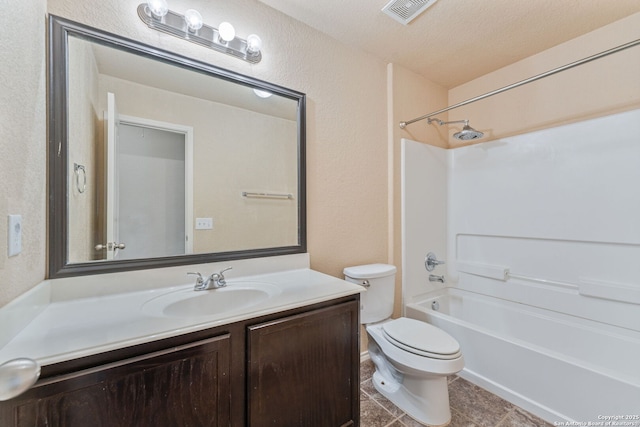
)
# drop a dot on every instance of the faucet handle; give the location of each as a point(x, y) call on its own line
point(221, 280)
point(199, 280)
point(431, 261)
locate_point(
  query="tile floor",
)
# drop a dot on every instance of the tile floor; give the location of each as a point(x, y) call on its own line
point(471, 406)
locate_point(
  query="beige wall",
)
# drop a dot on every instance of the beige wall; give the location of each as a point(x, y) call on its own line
point(22, 142)
point(601, 87)
point(84, 125)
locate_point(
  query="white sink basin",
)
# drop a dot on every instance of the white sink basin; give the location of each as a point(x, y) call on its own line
point(186, 302)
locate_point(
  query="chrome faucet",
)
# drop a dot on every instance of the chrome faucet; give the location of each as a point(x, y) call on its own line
point(215, 281)
point(436, 278)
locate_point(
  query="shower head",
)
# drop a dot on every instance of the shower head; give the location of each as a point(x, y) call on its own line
point(466, 134)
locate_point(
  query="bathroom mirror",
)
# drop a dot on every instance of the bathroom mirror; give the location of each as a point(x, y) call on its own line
point(156, 159)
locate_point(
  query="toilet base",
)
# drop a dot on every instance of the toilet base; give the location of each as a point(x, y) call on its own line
point(426, 400)
point(414, 383)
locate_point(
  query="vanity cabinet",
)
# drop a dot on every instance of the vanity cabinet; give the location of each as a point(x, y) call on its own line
point(296, 368)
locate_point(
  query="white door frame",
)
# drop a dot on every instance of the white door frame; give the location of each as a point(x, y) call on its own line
point(112, 121)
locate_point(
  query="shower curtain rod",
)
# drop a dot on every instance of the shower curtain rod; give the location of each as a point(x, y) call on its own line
point(524, 82)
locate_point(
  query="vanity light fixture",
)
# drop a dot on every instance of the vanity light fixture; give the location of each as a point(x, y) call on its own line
point(190, 26)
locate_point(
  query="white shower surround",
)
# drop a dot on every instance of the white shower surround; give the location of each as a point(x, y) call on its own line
point(557, 210)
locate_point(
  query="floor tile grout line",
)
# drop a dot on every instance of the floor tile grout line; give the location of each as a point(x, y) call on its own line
point(505, 417)
point(394, 421)
point(382, 406)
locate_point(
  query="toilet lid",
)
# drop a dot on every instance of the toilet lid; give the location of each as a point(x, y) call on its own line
point(421, 338)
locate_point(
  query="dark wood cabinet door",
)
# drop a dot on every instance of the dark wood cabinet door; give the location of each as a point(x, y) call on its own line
point(303, 369)
point(183, 386)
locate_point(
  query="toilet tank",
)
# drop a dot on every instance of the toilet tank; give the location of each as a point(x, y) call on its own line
point(376, 303)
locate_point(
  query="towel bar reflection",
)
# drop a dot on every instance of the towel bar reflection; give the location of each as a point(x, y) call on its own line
point(81, 186)
point(268, 195)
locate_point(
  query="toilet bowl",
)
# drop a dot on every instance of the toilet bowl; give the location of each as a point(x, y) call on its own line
point(412, 358)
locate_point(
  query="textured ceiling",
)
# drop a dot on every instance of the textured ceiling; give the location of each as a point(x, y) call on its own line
point(455, 41)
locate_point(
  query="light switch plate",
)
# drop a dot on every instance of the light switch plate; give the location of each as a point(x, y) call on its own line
point(204, 223)
point(14, 234)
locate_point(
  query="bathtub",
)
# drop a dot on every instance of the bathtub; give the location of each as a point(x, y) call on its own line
point(556, 366)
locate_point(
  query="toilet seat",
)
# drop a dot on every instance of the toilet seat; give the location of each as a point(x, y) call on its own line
point(421, 338)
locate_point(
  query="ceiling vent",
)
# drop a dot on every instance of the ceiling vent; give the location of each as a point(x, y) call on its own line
point(405, 11)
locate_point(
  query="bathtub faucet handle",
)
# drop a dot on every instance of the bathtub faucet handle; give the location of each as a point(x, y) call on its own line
point(431, 261)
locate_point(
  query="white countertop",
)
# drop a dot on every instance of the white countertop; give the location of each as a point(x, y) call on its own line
point(68, 328)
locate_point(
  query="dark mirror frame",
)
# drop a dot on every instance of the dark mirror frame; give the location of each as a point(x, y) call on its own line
point(59, 31)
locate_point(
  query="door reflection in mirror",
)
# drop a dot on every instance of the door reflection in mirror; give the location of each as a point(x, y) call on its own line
point(151, 193)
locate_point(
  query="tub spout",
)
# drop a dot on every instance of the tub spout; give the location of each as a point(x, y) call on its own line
point(436, 278)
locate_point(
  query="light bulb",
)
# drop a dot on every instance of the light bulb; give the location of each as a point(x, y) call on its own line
point(227, 32)
point(158, 8)
point(193, 19)
point(254, 44)
point(262, 93)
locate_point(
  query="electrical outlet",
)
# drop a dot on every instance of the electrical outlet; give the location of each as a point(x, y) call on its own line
point(204, 223)
point(14, 234)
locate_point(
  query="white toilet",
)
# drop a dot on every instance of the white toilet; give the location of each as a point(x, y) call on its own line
point(412, 358)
